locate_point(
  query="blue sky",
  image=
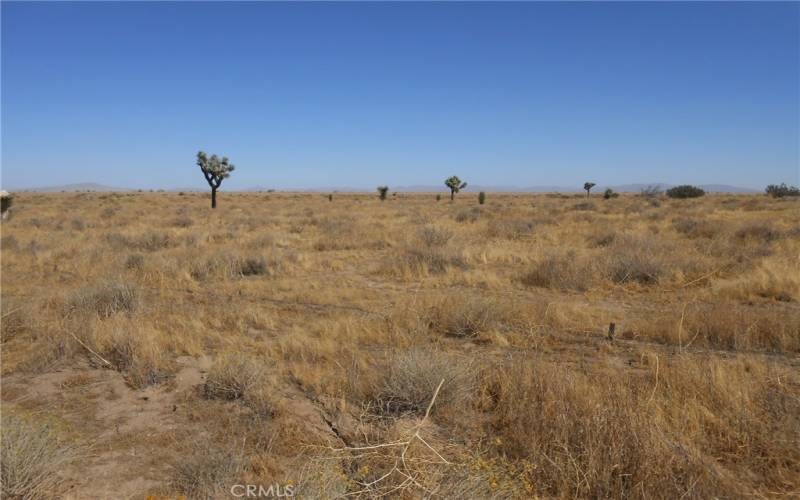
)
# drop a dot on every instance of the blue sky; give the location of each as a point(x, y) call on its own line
point(359, 94)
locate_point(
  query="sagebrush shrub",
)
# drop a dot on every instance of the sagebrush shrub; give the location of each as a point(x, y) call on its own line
point(32, 456)
point(412, 377)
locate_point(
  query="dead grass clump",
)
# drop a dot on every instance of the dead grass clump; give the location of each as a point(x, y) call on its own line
point(585, 206)
point(723, 325)
point(208, 470)
point(9, 242)
point(135, 352)
point(135, 262)
point(105, 300)
point(579, 424)
point(625, 435)
point(232, 265)
point(411, 379)
point(253, 266)
point(429, 253)
point(602, 239)
point(694, 228)
point(739, 417)
point(487, 477)
point(461, 316)
point(729, 326)
point(182, 221)
point(759, 232)
point(347, 233)
point(634, 260)
point(561, 272)
point(148, 242)
point(433, 237)
point(16, 320)
point(236, 377)
point(511, 228)
point(432, 260)
point(775, 279)
point(32, 456)
point(468, 215)
point(321, 478)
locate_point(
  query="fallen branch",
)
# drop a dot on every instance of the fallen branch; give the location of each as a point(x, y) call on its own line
point(101, 358)
point(400, 465)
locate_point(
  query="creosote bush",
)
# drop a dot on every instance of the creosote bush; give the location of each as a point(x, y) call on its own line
point(685, 191)
point(782, 190)
point(609, 194)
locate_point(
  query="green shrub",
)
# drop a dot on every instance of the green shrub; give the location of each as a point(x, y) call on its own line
point(481, 198)
point(685, 191)
point(782, 190)
point(610, 193)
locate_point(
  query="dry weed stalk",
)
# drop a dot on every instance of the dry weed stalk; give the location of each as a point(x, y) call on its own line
point(401, 464)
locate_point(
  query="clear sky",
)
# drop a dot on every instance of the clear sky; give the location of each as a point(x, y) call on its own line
point(360, 94)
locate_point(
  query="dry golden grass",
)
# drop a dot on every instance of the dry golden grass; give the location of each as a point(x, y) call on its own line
point(288, 339)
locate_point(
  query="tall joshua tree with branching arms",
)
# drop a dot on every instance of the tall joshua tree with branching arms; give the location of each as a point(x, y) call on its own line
point(214, 169)
point(455, 185)
point(382, 190)
point(587, 186)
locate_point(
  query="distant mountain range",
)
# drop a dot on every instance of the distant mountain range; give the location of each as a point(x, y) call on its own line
point(82, 186)
point(622, 188)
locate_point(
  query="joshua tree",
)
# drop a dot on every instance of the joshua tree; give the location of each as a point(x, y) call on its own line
point(587, 186)
point(214, 169)
point(382, 190)
point(455, 185)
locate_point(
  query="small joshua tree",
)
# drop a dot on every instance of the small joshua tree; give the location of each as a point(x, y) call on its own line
point(382, 190)
point(455, 185)
point(481, 198)
point(438, 197)
point(214, 169)
point(587, 186)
